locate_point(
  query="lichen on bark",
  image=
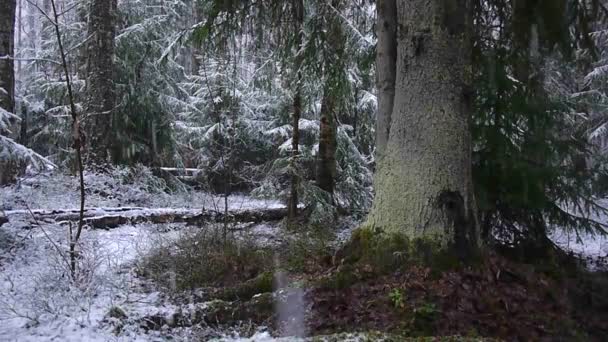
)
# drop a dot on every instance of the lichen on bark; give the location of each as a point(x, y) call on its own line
point(423, 181)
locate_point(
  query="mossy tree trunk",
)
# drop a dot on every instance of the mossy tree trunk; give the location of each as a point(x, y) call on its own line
point(423, 180)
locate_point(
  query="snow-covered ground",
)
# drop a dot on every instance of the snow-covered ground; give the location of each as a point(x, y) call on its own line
point(591, 247)
point(38, 302)
point(60, 191)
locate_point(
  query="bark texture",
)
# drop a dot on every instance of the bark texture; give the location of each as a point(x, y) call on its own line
point(7, 72)
point(334, 69)
point(386, 66)
point(100, 80)
point(423, 182)
point(298, 12)
point(326, 161)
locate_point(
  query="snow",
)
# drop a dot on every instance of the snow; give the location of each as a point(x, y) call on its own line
point(590, 247)
point(38, 302)
point(59, 191)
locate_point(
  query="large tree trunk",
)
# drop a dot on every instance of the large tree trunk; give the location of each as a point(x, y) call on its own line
point(423, 182)
point(7, 72)
point(386, 65)
point(100, 80)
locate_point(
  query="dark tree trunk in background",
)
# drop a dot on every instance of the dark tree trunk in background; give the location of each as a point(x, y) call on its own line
point(292, 205)
point(7, 51)
point(330, 105)
point(386, 65)
point(100, 80)
point(423, 181)
point(326, 160)
point(197, 14)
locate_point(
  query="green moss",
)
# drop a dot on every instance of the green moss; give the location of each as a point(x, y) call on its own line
point(423, 319)
point(387, 252)
point(343, 278)
point(305, 252)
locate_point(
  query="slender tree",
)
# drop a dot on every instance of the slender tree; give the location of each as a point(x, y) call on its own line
point(298, 15)
point(100, 84)
point(77, 139)
point(330, 104)
point(7, 72)
point(423, 181)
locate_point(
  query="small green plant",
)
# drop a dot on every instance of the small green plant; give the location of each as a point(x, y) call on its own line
point(424, 318)
point(397, 298)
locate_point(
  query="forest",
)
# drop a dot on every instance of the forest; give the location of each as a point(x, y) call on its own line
point(303, 170)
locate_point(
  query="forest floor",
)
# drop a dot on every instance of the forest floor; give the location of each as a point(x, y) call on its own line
point(119, 296)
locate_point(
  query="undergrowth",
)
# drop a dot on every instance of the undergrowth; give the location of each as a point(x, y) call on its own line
point(204, 258)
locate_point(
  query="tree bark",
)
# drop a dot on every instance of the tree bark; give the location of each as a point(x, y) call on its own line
point(326, 160)
point(423, 182)
point(386, 66)
point(292, 205)
point(197, 14)
point(334, 69)
point(100, 84)
point(7, 53)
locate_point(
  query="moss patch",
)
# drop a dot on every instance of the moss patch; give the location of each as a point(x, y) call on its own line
point(389, 252)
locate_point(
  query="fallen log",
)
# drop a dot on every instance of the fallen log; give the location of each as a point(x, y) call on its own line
point(105, 218)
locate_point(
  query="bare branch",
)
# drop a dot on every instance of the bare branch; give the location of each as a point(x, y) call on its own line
point(30, 59)
point(43, 12)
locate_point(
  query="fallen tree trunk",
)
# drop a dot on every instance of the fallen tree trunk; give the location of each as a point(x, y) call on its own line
point(105, 218)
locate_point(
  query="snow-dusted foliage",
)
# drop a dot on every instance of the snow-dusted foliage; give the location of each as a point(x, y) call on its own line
point(13, 156)
point(236, 124)
point(215, 101)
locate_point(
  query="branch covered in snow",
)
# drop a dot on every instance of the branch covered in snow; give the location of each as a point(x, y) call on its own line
point(11, 150)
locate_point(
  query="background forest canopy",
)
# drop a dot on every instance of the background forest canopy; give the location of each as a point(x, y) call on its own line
point(219, 85)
